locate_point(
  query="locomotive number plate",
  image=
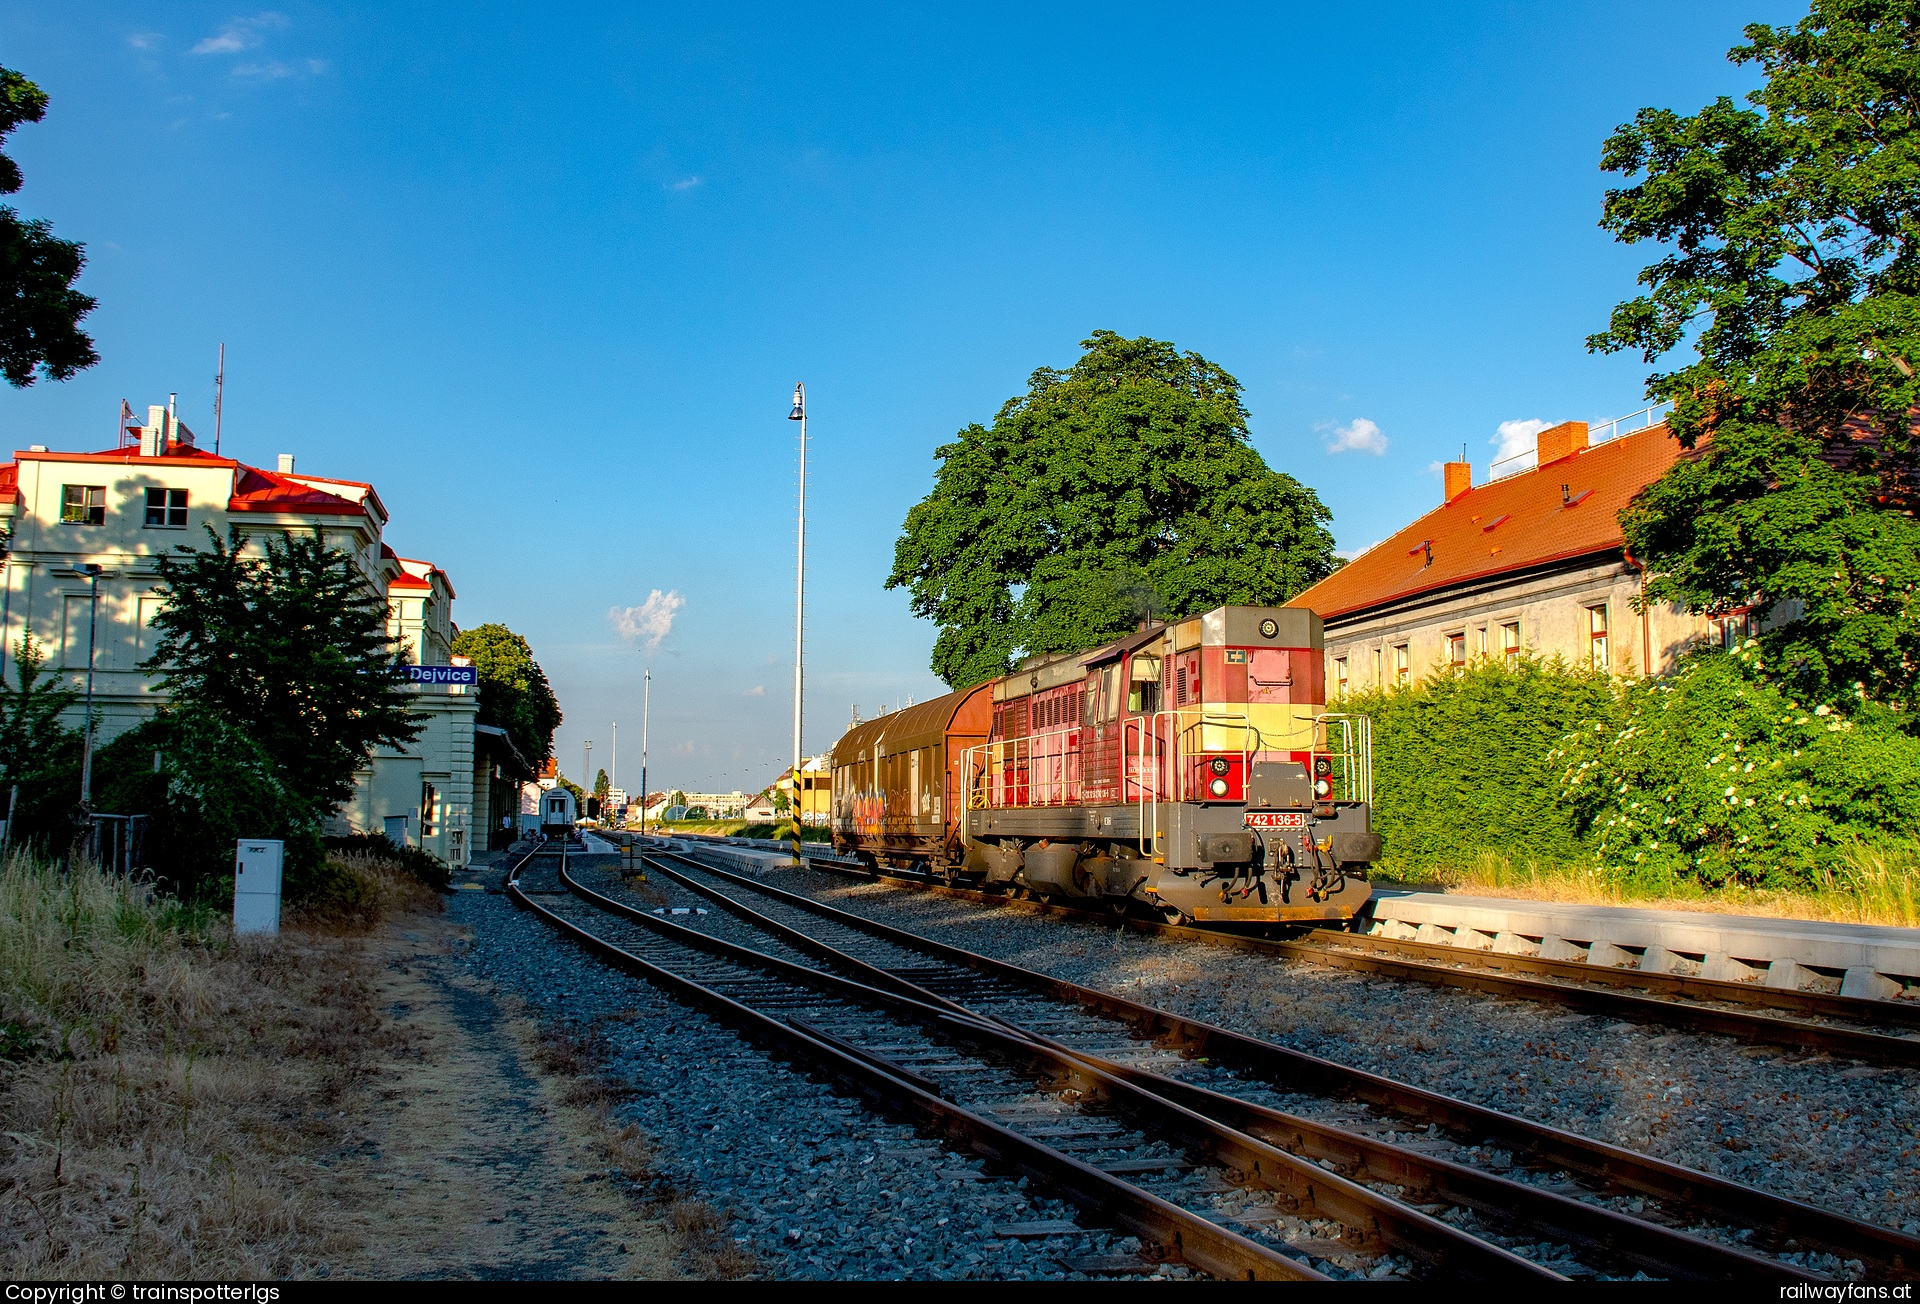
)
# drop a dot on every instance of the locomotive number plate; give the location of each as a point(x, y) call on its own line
point(1276, 819)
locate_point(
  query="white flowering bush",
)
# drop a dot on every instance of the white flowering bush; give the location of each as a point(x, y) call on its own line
point(1717, 774)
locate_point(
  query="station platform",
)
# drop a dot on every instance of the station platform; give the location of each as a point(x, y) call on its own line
point(1846, 959)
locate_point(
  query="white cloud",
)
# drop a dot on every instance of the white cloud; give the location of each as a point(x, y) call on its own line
point(1360, 436)
point(1516, 437)
point(686, 183)
point(270, 70)
point(1351, 553)
point(241, 34)
point(758, 690)
point(144, 40)
point(651, 621)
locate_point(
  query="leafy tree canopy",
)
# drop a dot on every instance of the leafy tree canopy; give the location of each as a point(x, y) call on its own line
point(1122, 487)
point(514, 693)
point(291, 650)
point(1793, 277)
point(40, 311)
point(31, 733)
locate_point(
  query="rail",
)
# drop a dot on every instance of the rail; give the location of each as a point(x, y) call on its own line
point(1569, 1217)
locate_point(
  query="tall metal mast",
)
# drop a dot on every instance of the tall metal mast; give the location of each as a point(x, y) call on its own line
point(799, 414)
point(219, 392)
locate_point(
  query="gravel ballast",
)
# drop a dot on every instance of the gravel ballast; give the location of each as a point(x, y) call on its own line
point(815, 1186)
point(1833, 1133)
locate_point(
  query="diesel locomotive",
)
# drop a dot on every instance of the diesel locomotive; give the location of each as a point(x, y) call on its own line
point(1190, 768)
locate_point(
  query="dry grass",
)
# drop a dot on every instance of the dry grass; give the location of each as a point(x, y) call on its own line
point(163, 1081)
point(699, 1230)
point(1871, 884)
point(359, 889)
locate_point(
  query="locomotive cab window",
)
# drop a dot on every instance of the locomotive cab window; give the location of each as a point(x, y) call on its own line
point(1143, 690)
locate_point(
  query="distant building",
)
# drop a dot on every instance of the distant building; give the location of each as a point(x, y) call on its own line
point(1530, 563)
point(816, 787)
point(760, 807)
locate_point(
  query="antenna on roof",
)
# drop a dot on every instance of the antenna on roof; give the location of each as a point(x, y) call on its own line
point(126, 420)
point(219, 385)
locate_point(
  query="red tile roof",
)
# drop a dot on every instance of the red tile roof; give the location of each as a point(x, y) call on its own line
point(255, 490)
point(1504, 525)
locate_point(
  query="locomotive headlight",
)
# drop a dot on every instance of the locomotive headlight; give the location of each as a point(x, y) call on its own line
point(1321, 788)
point(1218, 787)
point(1218, 765)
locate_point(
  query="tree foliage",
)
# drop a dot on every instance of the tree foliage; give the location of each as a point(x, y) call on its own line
point(38, 753)
point(1793, 275)
point(291, 649)
point(1122, 487)
point(40, 311)
point(514, 693)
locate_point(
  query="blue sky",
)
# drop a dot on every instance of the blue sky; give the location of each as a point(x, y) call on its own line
point(547, 276)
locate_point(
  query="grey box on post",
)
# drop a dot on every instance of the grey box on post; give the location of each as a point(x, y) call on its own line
point(256, 886)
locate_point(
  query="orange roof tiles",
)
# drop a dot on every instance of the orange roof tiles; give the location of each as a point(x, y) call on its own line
point(1504, 525)
point(255, 490)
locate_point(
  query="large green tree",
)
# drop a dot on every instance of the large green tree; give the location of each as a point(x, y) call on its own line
point(40, 311)
point(290, 649)
point(1120, 488)
point(1789, 303)
point(514, 692)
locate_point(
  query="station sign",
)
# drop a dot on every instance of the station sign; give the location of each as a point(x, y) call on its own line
point(443, 674)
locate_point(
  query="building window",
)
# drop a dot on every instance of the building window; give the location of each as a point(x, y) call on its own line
point(1378, 678)
point(1457, 651)
point(1402, 664)
point(1510, 641)
point(1340, 674)
point(1597, 636)
point(1480, 641)
point(84, 504)
point(167, 509)
point(1736, 629)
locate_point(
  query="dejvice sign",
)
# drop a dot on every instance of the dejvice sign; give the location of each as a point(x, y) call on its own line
point(442, 674)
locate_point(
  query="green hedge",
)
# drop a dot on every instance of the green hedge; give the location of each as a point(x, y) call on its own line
point(1462, 762)
point(1711, 775)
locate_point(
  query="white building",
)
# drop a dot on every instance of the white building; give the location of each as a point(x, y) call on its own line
point(122, 508)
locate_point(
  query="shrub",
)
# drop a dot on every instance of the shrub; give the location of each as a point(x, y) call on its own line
point(422, 865)
point(1461, 762)
point(1716, 773)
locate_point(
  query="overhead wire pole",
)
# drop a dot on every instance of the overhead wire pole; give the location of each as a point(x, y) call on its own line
point(799, 414)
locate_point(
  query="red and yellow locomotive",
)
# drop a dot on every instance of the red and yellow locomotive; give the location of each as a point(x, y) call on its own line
point(1191, 767)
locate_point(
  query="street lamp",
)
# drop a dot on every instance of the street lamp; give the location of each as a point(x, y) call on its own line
point(93, 571)
point(799, 414)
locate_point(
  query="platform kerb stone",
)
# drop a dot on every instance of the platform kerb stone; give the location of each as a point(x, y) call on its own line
point(1612, 957)
point(1562, 948)
point(1881, 955)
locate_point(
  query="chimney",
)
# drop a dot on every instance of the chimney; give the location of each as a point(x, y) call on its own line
point(1459, 479)
point(286, 462)
point(1563, 440)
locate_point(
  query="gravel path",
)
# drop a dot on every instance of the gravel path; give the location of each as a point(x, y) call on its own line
point(1831, 1132)
point(816, 1186)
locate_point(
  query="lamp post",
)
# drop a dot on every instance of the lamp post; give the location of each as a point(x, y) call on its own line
point(93, 571)
point(799, 414)
point(586, 776)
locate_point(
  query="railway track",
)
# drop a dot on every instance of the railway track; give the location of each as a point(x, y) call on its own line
point(984, 1034)
point(1879, 1031)
point(1578, 1166)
